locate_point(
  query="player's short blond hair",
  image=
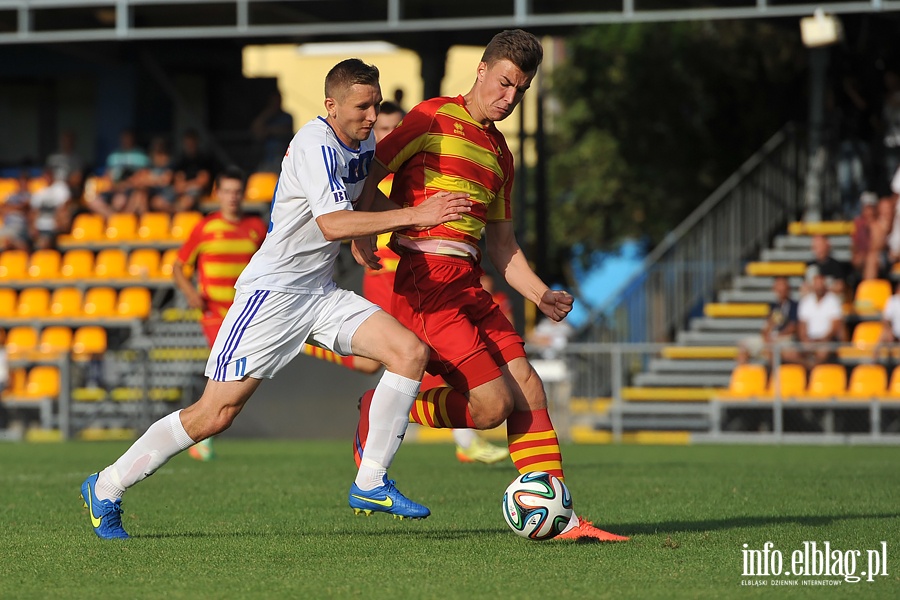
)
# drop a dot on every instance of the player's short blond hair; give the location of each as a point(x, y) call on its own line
point(348, 73)
point(518, 47)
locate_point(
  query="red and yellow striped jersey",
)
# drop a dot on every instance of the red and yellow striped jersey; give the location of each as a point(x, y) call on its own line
point(221, 249)
point(439, 146)
point(388, 257)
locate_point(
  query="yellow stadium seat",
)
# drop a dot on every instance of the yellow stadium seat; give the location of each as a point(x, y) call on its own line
point(88, 341)
point(21, 341)
point(747, 381)
point(55, 339)
point(66, 302)
point(42, 382)
point(36, 184)
point(826, 381)
point(865, 337)
point(167, 261)
point(95, 185)
point(153, 227)
point(183, 224)
point(33, 302)
point(8, 302)
point(100, 302)
point(871, 296)
point(134, 302)
point(77, 264)
point(121, 227)
point(110, 264)
point(7, 187)
point(143, 263)
point(775, 269)
point(88, 227)
point(44, 264)
point(261, 187)
point(13, 264)
point(790, 380)
point(867, 382)
point(16, 383)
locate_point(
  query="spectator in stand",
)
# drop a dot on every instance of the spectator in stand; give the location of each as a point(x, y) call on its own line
point(884, 248)
point(781, 326)
point(550, 337)
point(121, 167)
point(14, 232)
point(861, 240)
point(49, 209)
point(193, 173)
point(153, 185)
point(829, 267)
point(821, 318)
point(890, 331)
point(273, 128)
point(66, 163)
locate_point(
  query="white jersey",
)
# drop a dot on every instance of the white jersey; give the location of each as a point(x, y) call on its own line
point(319, 175)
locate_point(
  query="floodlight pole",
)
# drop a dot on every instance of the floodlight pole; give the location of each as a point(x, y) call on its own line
point(817, 159)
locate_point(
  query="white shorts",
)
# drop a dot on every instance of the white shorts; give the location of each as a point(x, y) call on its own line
point(264, 330)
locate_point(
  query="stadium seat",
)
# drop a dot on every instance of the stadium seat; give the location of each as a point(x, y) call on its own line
point(153, 227)
point(44, 264)
point(143, 263)
point(66, 302)
point(747, 381)
point(88, 341)
point(775, 269)
point(21, 341)
point(16, 384)
point(821, 228)
point(871, 296)
point(33, 302)
point(77, 264)
point(42, 382)
point(121, 227)
point(261, 187)
point(867, 382)
point(110, 264)
point(8, 303)
point(100, 302)
point(134, 302)
point(87, 227)
point(167, 261)
point(13, 264)
point(826, 381)
point(55, 339)
point(790, 380)
point(183, 223)
point(865, 337)
point(8, 185)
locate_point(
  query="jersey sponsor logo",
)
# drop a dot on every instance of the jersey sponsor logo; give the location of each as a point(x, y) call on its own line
point(339, 196)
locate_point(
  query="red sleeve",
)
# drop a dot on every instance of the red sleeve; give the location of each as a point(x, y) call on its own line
point(188, 251)
point(409, 137)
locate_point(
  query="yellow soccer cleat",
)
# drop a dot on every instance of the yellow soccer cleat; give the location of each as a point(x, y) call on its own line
point(482, 452)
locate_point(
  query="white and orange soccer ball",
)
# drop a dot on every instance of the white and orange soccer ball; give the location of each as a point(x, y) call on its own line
point(537, 506)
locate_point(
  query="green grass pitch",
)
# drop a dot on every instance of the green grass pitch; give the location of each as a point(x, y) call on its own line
point(269, 519)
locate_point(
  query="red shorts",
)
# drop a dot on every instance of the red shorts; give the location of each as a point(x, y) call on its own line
point(441, 300)
point(379, 288)
point(212, 319)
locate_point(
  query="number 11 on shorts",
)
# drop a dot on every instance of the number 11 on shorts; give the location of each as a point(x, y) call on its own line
point(240, 367)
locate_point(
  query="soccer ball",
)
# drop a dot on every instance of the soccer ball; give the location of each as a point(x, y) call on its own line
point(537, 506)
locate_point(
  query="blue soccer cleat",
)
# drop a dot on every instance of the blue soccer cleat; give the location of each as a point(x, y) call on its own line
point(106, 515)
point(387, 499)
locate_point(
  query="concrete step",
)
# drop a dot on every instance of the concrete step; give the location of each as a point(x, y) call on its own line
point(708, 338)
point(681, 379)
point(720, 324)
point(668, 365)
point(752, 296)
point(804, 242)
point(776, 255)
point(748, 282)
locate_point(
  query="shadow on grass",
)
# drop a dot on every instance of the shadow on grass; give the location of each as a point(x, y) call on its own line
point(737, 522)
point(456, 534)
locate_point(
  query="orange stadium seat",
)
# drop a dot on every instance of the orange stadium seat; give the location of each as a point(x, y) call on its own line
point(36, 184)
point(55, 339)
point(8, 302)
point(867, 382)
point(134, 302)
point(826, 381)
point(7, 187)
point(183, 223)
point(100, 302)
point(44, 264)
point(33, 302)
point(21, 341)
point(790, 380)
point(88, 341)
point(121, 227)
point(865, 337)
point(77, 264)
point(13, 264)
point(143, 263)
point(747, 381)
point(153, 227)
point(66, 302)
point(871, 296)
point(261, 187)
point(167, 261)
point(88, 227)
point(110, 264)
point(42, 382)
point(16, 385)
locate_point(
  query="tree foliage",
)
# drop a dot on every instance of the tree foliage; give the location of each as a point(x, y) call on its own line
point(649, 119)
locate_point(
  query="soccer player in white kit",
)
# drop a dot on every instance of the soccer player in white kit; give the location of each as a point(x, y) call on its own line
point(286, 295)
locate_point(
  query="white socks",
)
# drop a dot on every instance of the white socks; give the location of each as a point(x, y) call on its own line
point(388, 419)
point(464, 437)
point(163, 440)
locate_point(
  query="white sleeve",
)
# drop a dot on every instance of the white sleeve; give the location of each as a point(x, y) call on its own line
point(319, 167)
point(895, 182)
point(836, 309)
point(803, 310)
point(890, 309)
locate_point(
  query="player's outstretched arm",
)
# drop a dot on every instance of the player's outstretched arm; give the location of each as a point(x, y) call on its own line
point(510, 261)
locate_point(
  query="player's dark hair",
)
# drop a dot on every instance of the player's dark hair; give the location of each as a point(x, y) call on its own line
point(391, 108)
point(348, 73)
point(518, 47)
point(231, 172)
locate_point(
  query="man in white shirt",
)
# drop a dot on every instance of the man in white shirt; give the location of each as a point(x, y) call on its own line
point(890, 332)
point(821, 317)
point(286, 296)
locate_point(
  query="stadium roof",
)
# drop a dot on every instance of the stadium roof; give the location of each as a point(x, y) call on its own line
point(48, 21)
